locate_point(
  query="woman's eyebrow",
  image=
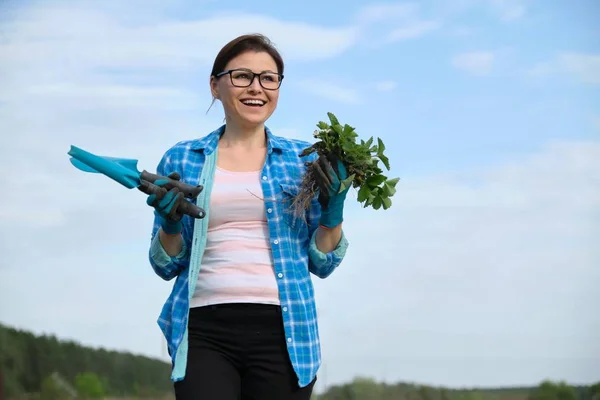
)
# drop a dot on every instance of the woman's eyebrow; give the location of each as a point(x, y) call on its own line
point(249, 70)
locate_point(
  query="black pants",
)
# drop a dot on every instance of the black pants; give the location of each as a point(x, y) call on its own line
point(238, 352)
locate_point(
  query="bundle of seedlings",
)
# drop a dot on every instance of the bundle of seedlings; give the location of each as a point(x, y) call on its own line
point(361, 160)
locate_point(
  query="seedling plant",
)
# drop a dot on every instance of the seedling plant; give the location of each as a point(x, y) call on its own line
point(362, 162)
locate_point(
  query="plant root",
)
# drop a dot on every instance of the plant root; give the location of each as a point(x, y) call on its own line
point(309, 188)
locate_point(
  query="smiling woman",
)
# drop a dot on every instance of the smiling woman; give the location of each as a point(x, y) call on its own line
point(241, 319)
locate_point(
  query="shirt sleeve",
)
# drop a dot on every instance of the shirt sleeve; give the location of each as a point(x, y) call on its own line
point(322, 264)
point(165, 266)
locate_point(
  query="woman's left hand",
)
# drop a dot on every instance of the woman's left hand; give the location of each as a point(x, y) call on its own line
point(331, 198)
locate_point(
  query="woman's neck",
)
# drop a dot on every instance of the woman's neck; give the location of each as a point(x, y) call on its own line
point(243, 136)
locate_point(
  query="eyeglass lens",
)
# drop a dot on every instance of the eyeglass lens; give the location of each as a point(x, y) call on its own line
point(268, 80)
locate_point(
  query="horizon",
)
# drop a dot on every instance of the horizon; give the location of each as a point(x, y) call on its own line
point(484, 270)
point(413, 383)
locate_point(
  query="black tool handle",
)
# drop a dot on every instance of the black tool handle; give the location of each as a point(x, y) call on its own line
point(185, 207)
point(189, 191)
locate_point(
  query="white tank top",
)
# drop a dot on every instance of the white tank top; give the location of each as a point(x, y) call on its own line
point(238, 264)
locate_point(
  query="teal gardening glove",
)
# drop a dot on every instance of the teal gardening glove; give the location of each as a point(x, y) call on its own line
point(166, 206)
point(329, 179)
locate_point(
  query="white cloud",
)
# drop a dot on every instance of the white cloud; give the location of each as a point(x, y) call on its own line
point(470, 274)
point(504, 257)
point(414, 30)
point(401, 19)
point(108, 95)
point(330, 91)
point(477, 63)
point(385, 86)
point(294, 133)
point(541, 70)
point(509, 10)
point(376, 12)
point(70, 38)
point(286, 132)
point(586, 67)
point(504, 10)
point(462, 31)
point(105, 72)
point(117, 84)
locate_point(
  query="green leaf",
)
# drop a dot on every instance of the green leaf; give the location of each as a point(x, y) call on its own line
point(380, 146)
point(348, 129)
point(375, 166)
point(337, 128)
point(375, 180)
point(363, 193)
point(377, 203)
point(392, 182)
point(385, 161)
point(386, 202)
point(346, 183)
point(333, 119)
point(388, 189)
point(361, 158)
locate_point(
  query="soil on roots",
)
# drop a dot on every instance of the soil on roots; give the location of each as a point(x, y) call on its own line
point(309, 188)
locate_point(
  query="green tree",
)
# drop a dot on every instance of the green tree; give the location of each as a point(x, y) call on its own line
point(27, 359)
point(50, 390)
point(548, 390)
point(89, 385)
point(595, 391)
point(426, 393)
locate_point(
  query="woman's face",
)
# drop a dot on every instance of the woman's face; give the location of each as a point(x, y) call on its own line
point(247, 106)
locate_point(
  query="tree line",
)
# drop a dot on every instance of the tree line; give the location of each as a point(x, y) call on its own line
point(369, 389)
point(34, 364)
point(42, 367)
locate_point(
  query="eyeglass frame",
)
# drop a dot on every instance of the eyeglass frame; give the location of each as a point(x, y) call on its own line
point(254, 75)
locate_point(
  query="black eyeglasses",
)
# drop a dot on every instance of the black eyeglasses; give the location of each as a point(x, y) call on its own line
point(244, 78)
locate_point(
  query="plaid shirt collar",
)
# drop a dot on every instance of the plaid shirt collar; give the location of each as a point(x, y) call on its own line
point(208, 143)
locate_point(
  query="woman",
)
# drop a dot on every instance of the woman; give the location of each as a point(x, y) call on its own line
point(241, 320)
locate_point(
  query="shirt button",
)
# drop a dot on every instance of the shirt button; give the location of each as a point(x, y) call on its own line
point(264, 178)
point(270, 210)
point(276, 241)
point(280, 275)
point(284, 309)
point(289, 340)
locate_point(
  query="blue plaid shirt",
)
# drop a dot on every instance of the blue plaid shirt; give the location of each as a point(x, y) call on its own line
point(292, 238)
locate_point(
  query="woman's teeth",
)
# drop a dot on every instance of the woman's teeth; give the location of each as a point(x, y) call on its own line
point(253, 102)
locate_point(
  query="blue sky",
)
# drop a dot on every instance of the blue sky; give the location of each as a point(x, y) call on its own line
point(484, 272)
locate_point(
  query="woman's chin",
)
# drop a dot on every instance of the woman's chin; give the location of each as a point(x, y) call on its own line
point(252, 120)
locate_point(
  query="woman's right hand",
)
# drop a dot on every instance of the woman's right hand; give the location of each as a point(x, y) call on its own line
point(167, 206)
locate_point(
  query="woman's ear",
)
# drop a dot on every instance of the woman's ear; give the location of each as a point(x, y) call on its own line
point(214, 88)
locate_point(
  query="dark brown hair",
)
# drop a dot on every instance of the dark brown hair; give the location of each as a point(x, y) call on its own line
point(241, 44)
